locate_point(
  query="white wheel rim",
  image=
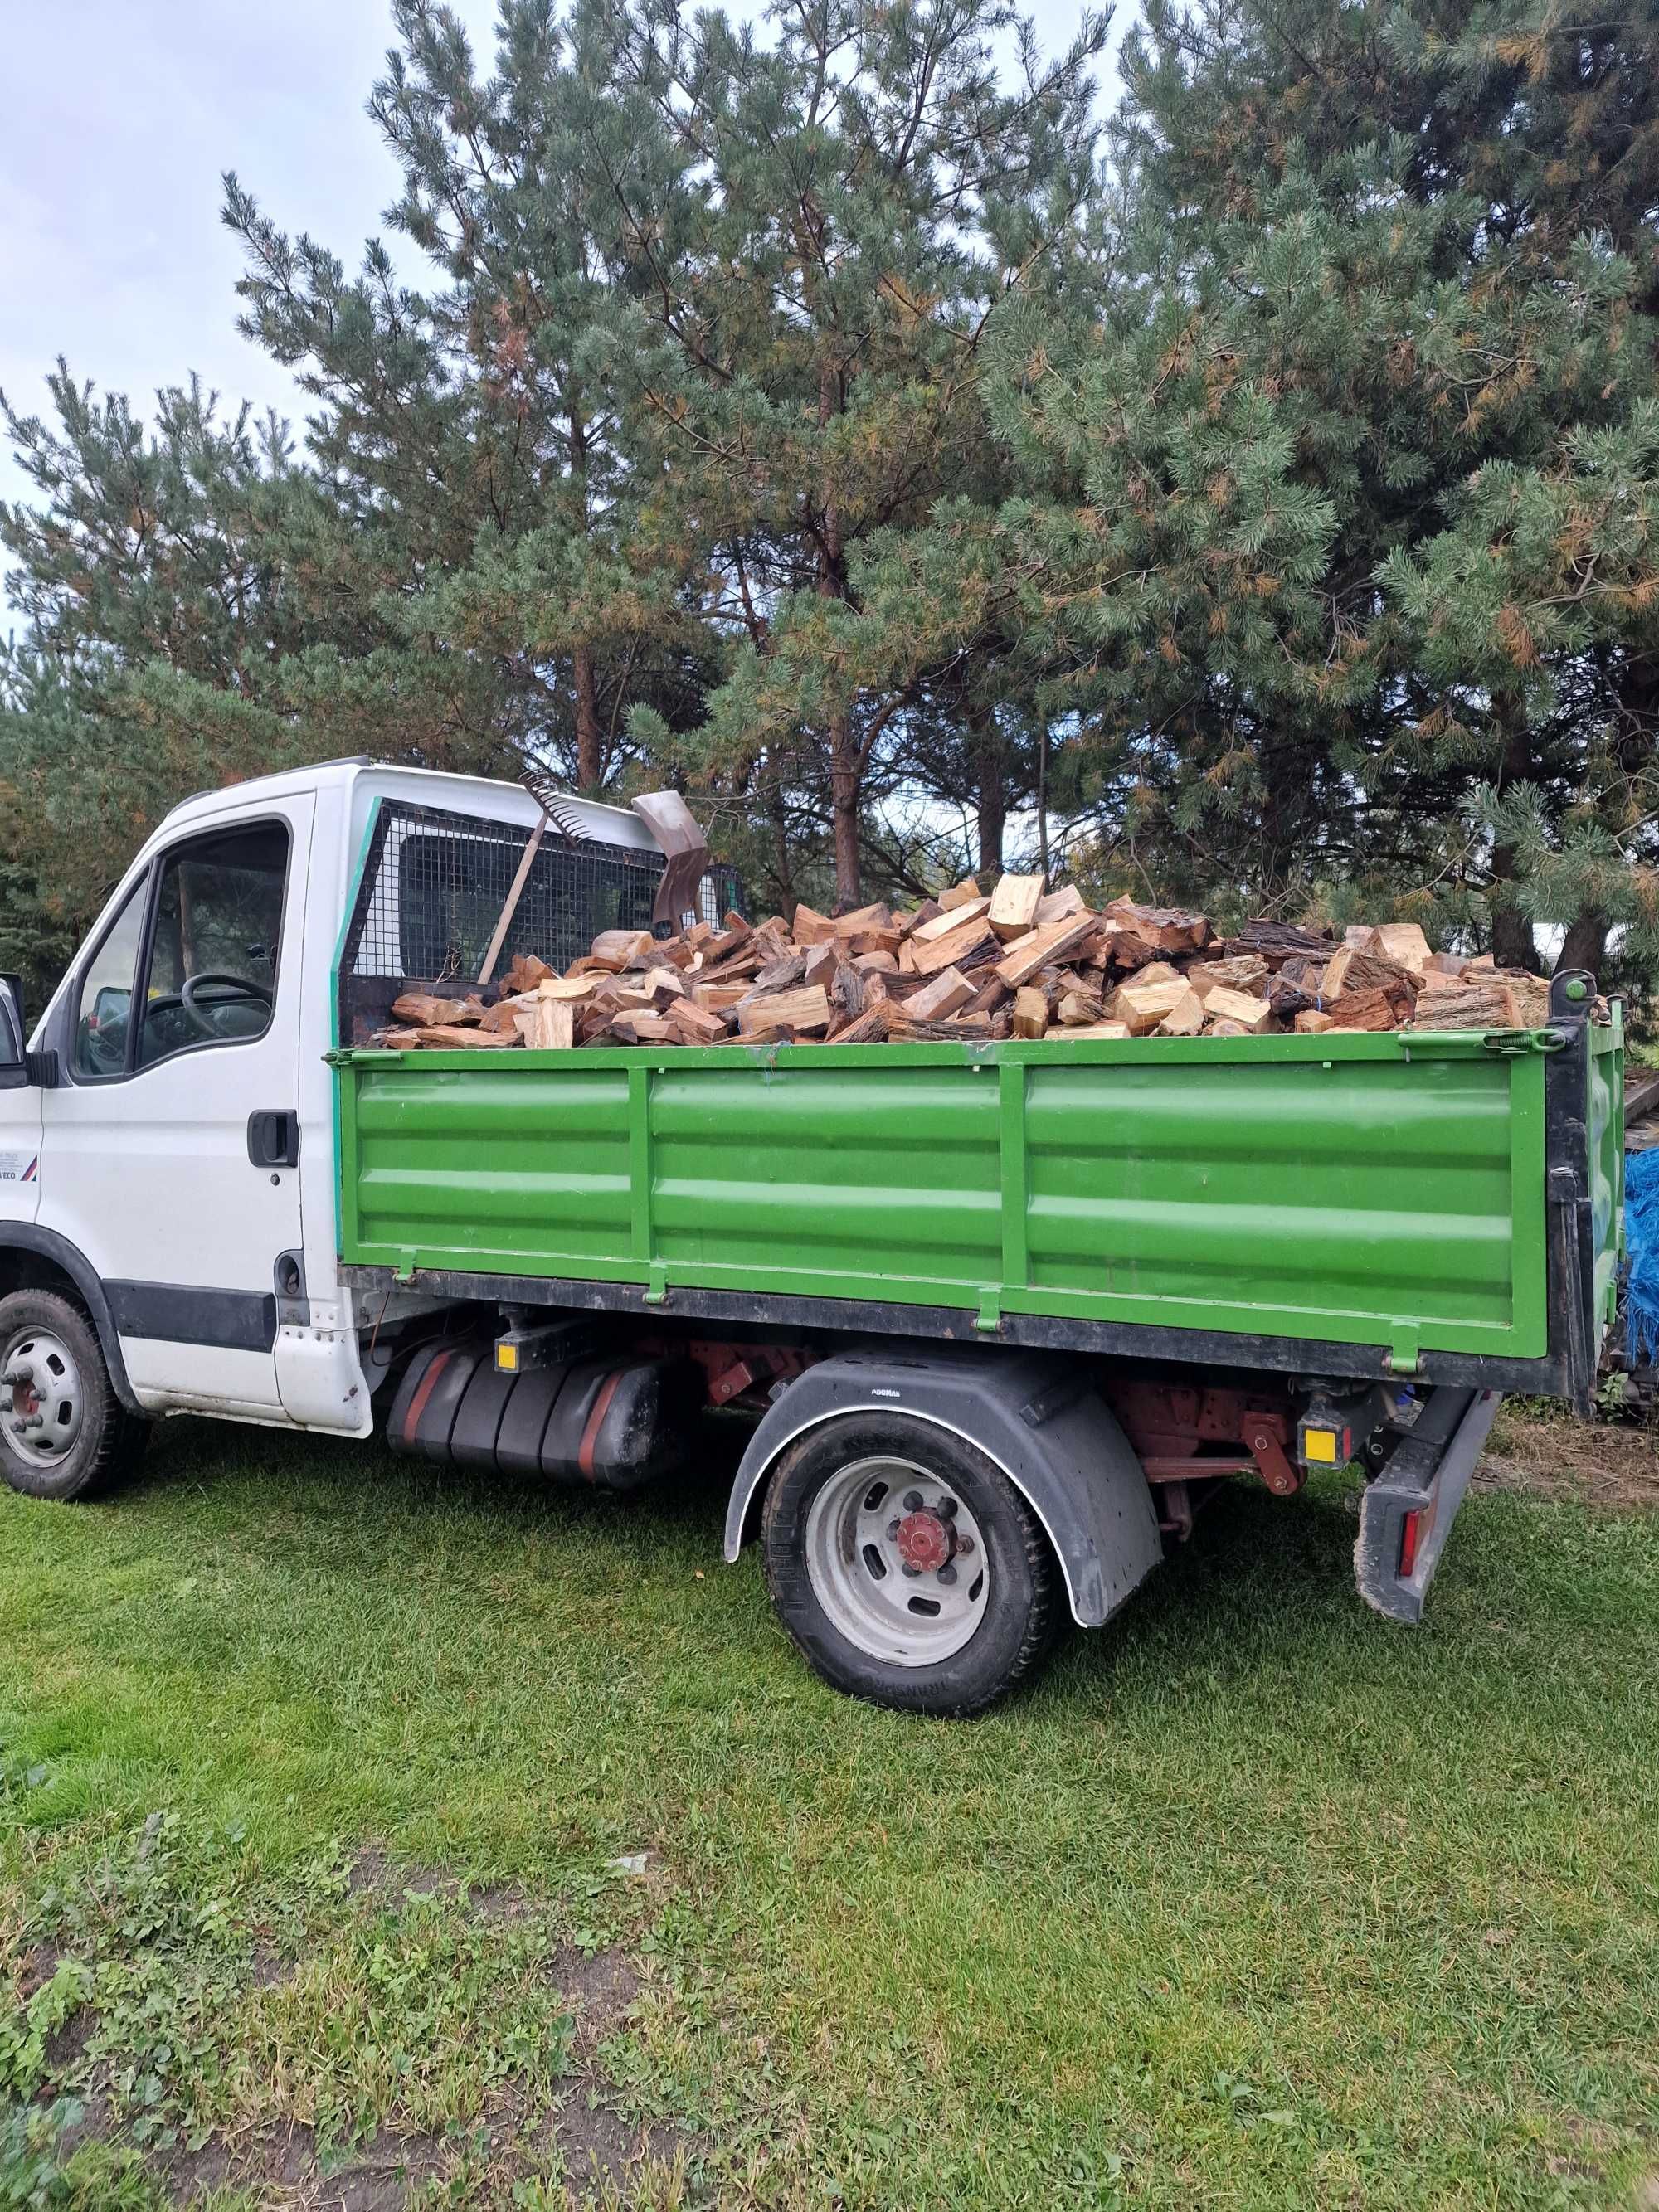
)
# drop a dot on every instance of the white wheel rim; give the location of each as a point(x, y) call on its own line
point(863, 1530)
point(41, 1399)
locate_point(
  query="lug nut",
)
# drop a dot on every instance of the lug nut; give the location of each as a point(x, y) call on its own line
point(964, 1545)
point(17, 1428)
point(907, 1569)
point(35, 1421)
point(892, 1530)
point(913, 1501)
point(946, 1509)
point(947, 1573)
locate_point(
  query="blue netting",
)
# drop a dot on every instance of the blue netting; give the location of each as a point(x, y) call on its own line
point(1642, 1242)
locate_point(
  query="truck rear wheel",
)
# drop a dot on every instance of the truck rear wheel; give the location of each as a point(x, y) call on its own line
point(906, 1566)
point(63, 1433)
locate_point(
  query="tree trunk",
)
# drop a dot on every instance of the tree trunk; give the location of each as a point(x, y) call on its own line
point(844, 810)
point(590, 758)
point(844, 769)
point(845, 776)
point(783, 859)
point(991, 790)
point(1042, 796)
point(993, 824)
point(1585, 944)
point(590, 766)
point(1512, 942)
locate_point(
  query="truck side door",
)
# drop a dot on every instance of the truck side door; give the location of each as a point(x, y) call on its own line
point(170, 1152)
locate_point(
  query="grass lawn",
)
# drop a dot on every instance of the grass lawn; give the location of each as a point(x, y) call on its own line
point(323, 1778)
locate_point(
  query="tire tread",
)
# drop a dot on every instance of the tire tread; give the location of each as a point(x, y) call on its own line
point(792, 1597)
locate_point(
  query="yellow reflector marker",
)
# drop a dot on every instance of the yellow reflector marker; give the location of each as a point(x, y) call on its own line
point(506, 1355)
point(1319, 1444)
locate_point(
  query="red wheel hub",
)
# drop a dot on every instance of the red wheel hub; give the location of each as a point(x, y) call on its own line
point(924, 1541)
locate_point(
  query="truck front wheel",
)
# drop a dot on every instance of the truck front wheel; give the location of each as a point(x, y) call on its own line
point(63, 1433)
point(906, 1566)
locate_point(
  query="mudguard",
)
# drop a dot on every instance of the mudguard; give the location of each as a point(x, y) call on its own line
point(30, 1236)
point(1033, 1413)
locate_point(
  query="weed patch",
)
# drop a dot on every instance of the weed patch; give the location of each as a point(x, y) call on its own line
point(338, 2028)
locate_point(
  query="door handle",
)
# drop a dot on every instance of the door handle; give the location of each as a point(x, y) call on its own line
point(273, 1138)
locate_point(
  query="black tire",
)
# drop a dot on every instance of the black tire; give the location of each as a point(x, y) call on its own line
point(108, 1441)
point(1021, 1609)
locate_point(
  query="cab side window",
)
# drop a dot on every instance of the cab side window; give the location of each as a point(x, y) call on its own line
point(215, 942)
point(190, 959)
point(104, 1016)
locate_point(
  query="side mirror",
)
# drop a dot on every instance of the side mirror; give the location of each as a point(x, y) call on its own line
point(14, 1047)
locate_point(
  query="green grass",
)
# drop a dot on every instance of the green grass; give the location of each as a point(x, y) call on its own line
point(1253, 1901)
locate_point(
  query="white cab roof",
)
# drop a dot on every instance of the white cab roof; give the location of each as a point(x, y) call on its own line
point(357, 782)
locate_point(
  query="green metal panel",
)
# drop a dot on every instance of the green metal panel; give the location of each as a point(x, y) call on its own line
point(1379, 1190)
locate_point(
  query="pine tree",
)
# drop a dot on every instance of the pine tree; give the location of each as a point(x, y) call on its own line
point(159, 603)
point(470, 435)
point(854, 201)
point(1383, 288)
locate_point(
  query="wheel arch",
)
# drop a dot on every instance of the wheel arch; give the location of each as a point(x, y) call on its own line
point(36, 1258)
point(1034, 1417)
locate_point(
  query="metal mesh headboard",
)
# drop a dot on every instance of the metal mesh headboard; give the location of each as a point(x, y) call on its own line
point(431, 893)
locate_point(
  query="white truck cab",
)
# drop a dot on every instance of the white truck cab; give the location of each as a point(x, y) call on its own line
point(168, 1143)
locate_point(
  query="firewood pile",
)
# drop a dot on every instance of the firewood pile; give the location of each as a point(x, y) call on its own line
point(1018, 961)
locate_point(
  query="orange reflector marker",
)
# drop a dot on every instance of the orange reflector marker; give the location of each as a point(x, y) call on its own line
point(1408, 1542)
point(1323, 1442)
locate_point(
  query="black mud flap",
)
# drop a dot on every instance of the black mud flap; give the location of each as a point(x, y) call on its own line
point(1408, 1510)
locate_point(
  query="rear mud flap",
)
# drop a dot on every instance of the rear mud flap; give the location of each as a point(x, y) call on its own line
point(1407, 1512)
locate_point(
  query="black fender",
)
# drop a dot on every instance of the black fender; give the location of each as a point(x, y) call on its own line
point(1032, 1414)
point(28, 1237)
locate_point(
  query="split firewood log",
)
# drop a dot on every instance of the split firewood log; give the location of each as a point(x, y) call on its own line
point(1013, 907)
point(450, 1037)
point(1252, 1015)
point(943, 995)
point(1362, 1010)
point(1351, 970)
point(525, 970)
point(421, 1010)
point(1030, 1012)
point(546, 1024)
point(805, 1010)
point(1466, 1005)
point(1142, 1006)
point(1186, 1017)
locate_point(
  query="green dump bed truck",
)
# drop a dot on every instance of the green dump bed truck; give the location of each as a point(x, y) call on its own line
point(1002, 1316)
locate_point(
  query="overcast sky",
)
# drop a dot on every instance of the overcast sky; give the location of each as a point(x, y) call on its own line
point(121, 117)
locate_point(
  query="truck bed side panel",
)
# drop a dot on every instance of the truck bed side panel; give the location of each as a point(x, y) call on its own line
point(1383, 1191)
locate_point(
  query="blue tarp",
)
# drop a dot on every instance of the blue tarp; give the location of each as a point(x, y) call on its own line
point(1642, 1242)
